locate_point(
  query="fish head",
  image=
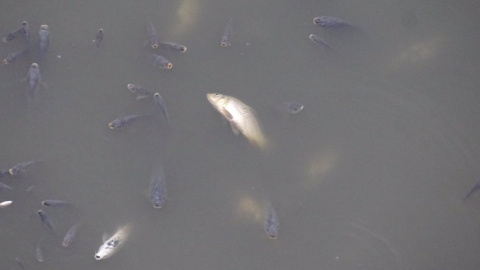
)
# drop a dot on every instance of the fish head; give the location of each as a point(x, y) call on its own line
point(217, 100)
point(102, 254)
point(34, 65)
point(115, 124)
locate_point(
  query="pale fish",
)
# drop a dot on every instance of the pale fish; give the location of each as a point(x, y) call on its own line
point(241, 117)
point(111, 245)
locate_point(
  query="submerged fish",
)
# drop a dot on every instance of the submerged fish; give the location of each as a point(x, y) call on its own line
point(43, 39)
point(158, 187)
point(329, 22)
point(113, 244)
point(54, 203)
point(5, 186)
point(473, 190)
point(293, 107)
point(121, 121)
point(39, 253)
point(70, 235)
point(271, 222)
point(227, 34)
point(20, 168)
point(33, 79)
point(160, 61)
point(241, 117)
point(46, 220)
point(152, 35)
point(24, 29)
point(98, 38)
point(139, 91)
point(318, 40)
point(12, 56)
point(160, 102)
point(174, 46)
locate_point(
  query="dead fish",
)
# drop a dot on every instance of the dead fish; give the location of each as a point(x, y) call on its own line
point(174, 46)
point(329, 22)
point(293, 107)
point(54, 203)
point(12, 56)
point(43, 39)
point(158, 187)
point(33, 79)
point(160, 61)
point(271, 222)
point(227, 34)
point(98, 38)
point(70, 235)
point(241, 117)
point(318, 40)
point(139, 91)
point(46, 220)
point(21, 167)
point(121, 121)
point(5, 204)
point(160, 102)
point(152, 35)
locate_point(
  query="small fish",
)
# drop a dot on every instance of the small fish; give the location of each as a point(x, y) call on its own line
point(46, 220)
point(5, 186)
point(271, 222)
point(12, 56)
point(20, 263)
point(24, 29)
point(158, 187)
point(3, 173)
point(174, 46)
point(241, 117)
point(139, 91)
point(39, 253)
point(121, 121)
point(473, 190)
point(153, 36)
point(227, 34)
point(160, 102)
point(293, 107)
point(113, 244)
point(329, 22)
point(43, 39)
point(160, 61)
point(33, 79)
point(54, 203)
point(5, 204)
point(70, 235)
point(98, 38)
point(318, 40)
point(20, 168)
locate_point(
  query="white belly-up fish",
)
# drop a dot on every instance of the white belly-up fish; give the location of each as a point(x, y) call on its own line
point(111, 245)
point(241, 117)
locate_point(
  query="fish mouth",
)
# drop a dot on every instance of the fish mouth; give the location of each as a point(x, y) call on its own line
point(111, 126)
point(98, 257)
point(154, 46)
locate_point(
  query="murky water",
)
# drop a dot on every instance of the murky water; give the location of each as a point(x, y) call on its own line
point(370, 175)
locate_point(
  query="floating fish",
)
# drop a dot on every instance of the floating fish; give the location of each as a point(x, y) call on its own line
point(160, 61)
point(121, 121)
point(20, 168)
point(174, 46)
point(70, 235)
point(158, 187)
point(227, 34)
point(160, 102)
point(33, 79)
point(113, 244)
point(152, 35)
point(241, 117)
point(271, 222)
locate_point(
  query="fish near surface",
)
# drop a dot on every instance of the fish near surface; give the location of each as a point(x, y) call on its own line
point(174, 46)
point(20, 168)
point(12, 56)
point(70, 235)
point(329, 22)
point(98, 38)
point(46, 220)
point(123, 120)
point(139, 91)
point(43, 39)
point(152, 36)
point(241, 117)
point(160, 102)
point(160, 61)
point(271, 223)
point(113, 244)
point(227, 34)
point(158, 187)
point(33, 79)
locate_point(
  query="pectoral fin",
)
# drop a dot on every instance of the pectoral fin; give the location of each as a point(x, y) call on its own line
point(227, 115)
point(235, 129)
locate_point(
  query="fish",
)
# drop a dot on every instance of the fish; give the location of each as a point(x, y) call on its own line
point(24, 29)
point(160, 61)
point(5, 186)
point(113, 244)
point(160, 102)
point(271, 223)
point(121, 121)
point(20, 263)
point(152, 35)
point(98, 38)
point(70, 235)
point(227, 34)
point(158, 187)
point(43, 39)
point(472, 190)
point(318, 40)
point(241, 117)
point(293, 107)
point(39, 253)
point(5, 204)
point(139, 91)
point(12, 56)
point(21, 167)
point(46, 220)
point(33, 79)
point(329, 22)
point(54, 203)
point(174, 46)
